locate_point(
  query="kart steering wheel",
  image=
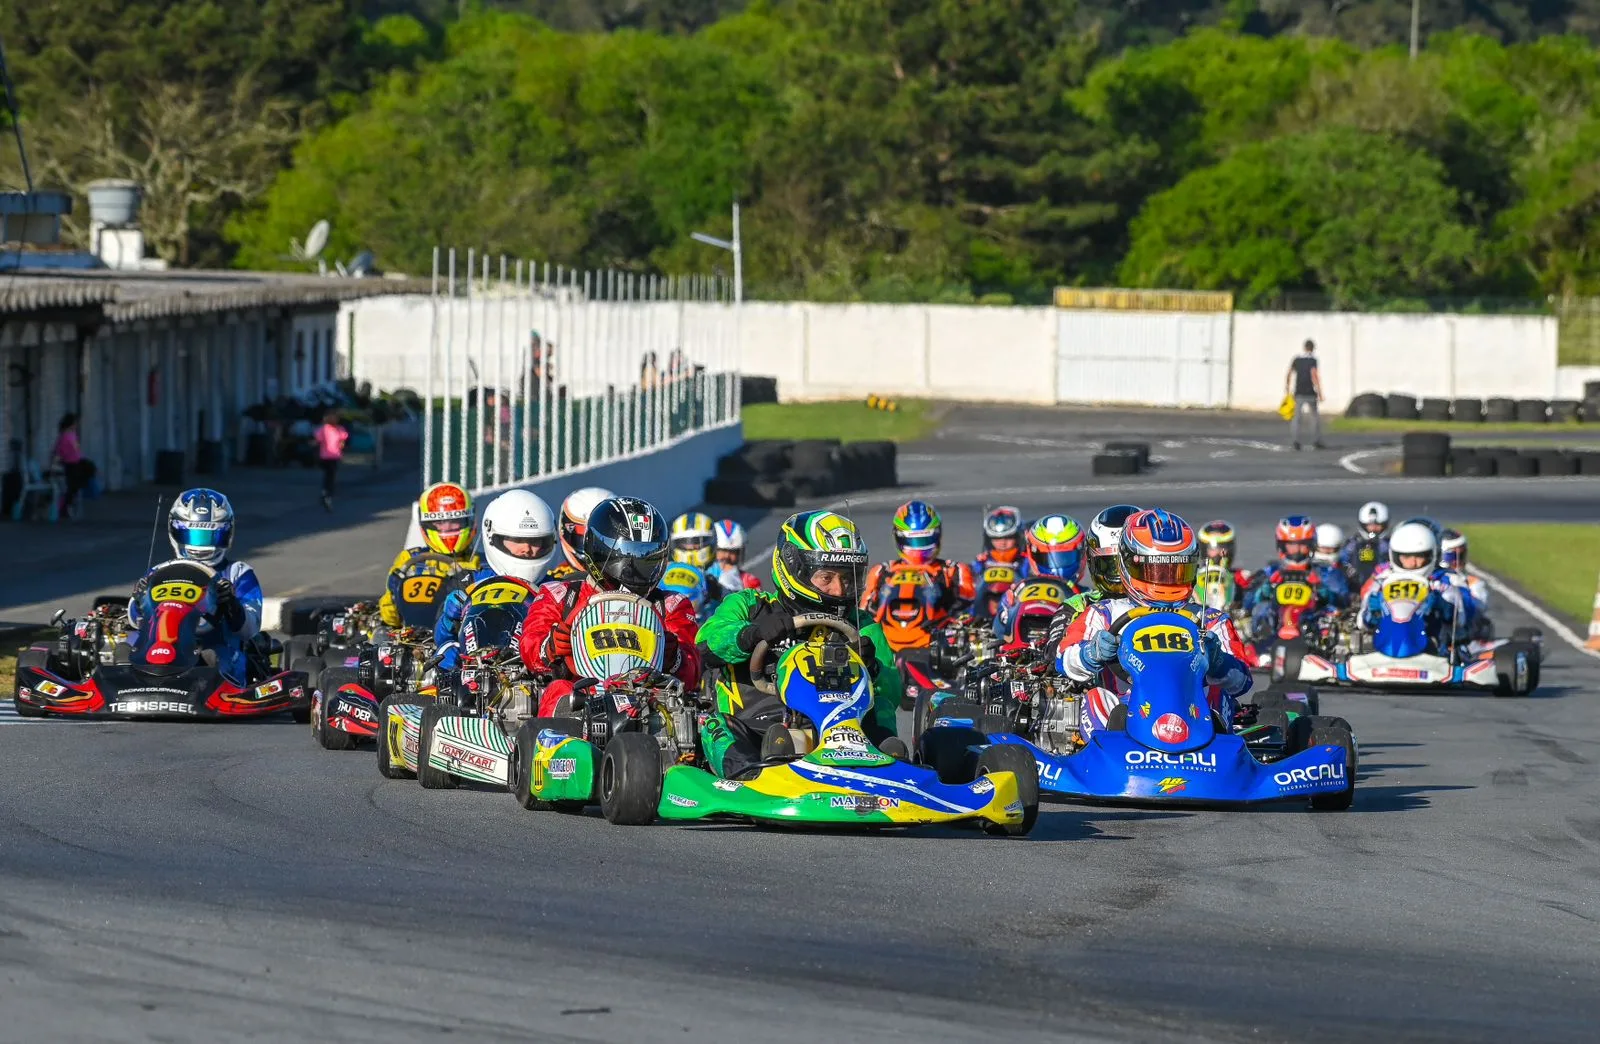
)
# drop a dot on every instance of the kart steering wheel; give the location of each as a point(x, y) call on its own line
point(801, 621)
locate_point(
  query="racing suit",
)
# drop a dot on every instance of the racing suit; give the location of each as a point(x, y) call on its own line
point(986, 604)
point(1227, 673)
point(400, 572)
point(953, 590)
point(726, 579)
point(1069, 612)
point(224, 636)
point(1361, 555)
point(731, 738)
point(454, 598)
point(564, 571)
point(1331, 591)
point(561, 601)
point(1447, 611)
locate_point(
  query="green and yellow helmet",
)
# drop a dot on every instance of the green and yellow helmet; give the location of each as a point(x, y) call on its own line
point(810, 542)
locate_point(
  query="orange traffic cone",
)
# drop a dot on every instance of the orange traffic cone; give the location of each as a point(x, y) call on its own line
point(1594, 623)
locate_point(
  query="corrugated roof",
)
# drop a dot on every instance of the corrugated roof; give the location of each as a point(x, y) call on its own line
point(129, 296)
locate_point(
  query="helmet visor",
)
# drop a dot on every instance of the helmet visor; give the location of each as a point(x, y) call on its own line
point(926, 540)
point(1106, 571)
point(633, 564)
point(691, 543)
point(1057, 562)
point(1162, 578)
point(529, 549)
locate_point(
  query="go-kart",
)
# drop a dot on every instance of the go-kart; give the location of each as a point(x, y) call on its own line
point(627, 723)
point(1163, 744)
point(838, 776)
point(1399, 654)
point(162, 672)
point(82, 644)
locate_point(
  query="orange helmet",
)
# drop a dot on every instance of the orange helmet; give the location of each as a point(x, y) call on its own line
point(1297, 538)
point(1160, 558)
point(444, 513)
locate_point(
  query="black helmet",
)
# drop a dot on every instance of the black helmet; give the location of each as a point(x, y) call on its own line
point(625, 545)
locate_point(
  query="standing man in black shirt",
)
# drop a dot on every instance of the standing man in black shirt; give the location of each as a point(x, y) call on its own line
point(1306, 386)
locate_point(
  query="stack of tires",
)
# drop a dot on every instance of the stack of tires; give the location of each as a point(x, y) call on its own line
point(1481, 461)
point(1372, 405)
point(778, 473)
point(1424, 454)
point(1122, 458)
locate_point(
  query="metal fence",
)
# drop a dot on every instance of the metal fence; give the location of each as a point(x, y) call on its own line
point(536, 370)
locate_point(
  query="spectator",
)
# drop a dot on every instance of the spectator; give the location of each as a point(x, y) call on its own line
point(1305, 384)
point(77, 469)
point(330, 437)
point(649, 372)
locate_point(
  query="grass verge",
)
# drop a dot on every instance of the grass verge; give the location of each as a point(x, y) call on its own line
point(11, 643)
point(1555, 563)
point(1382, 424)
point(850, 421)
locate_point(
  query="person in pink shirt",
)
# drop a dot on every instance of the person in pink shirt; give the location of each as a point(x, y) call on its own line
point(330, 438)
point(78, 469)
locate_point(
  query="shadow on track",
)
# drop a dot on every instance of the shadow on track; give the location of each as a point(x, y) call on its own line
point(1397, 798)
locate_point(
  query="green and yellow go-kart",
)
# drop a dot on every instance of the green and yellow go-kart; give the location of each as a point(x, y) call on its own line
point(839, 777)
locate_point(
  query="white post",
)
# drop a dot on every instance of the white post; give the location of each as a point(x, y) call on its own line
point(738, 259)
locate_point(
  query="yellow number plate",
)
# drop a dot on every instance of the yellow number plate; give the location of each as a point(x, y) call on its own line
point(1163, 638)
point(499, 592)
point(1042, 593)
point(420, 589)
point(913, 577)
point(620, 637)
point(1294, 593)
point(999, 575)
point(177, 591)
point(1404, 591)
point(678, 576)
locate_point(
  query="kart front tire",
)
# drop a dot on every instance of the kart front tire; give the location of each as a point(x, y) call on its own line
point(38, 659)
point(388, 768)
point(432, 778)
point(527, 740)
point(1016, 759)
point(1337, 736)
point(331, 738)
point(1509, 680)
point(630, 779)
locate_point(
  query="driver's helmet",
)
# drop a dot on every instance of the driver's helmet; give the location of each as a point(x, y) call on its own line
point(444, 514)
point(200, 526)
point(917, 530)
point(1330, 541)
point(1001, 529)
point(1373, 517)
point(1105, 533)
point(625, 545)
point(687, 580)
point(730, 538)
point(1160, 558)
point(1217, 542)
point(1054, 547)
point(575, 518)
point(1453, 551)
point(692, 539)
point(519, 535)
point(1296, 537)
point(1433, 527)
point(813, 542)
point(1413, 548)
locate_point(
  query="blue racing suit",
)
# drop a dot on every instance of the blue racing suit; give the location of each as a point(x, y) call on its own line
point(214, 633)
point(452, 607)
point(1447, 612)
point(1328, 585)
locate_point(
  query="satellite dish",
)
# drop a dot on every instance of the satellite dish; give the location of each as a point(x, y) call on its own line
point(364, 264)
point(316, 239)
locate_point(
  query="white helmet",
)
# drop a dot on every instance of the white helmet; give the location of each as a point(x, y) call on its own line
point(575, 519)
point(1330, 540)
point(1413, 538)
point(519, 535)
point(730, 535)
point(1373, 513)
point(1453, 551)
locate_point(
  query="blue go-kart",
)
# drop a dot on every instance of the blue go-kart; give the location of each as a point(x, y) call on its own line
point(1163, 745)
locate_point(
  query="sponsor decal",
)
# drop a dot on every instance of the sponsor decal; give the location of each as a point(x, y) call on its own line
point(1144, 709)
point(1169, 728)
point(1194, 712)
point(151, 690)
point(1014, 809)
point(563, 768)
point(1302, 778)
point(1172, 785)
point(845, 736)
point(727, 784)
point(1132, 660)
point(835, 697)
point(50, 688)
point(862, 802)
point(551, 738)
point(1400, 673)
point(151, 707)
point(461, 756)
point(680, 800)
point(1194, 759)
point(1050, 773)
point(271, 688)
point(355, 710)
point(983, 786)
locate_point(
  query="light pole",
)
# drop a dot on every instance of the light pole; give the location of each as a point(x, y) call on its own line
point(1416, 6)
point(735, 247)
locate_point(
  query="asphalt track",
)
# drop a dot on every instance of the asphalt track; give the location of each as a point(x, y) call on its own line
point(234, 882)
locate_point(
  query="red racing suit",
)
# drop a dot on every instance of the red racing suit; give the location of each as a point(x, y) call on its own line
point(1225, 684)
point(560, 601)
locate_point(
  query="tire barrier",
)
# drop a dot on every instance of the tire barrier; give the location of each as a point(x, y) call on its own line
point(756, 390)
point(1373, 406)
point(776, 473)
point(1429, 454)
point(1121, 458)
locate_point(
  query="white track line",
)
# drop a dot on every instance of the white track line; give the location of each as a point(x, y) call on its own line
point(1348, 461)
point(1534, 610)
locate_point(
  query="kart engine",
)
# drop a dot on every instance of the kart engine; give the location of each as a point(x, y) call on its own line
point(1035, 703)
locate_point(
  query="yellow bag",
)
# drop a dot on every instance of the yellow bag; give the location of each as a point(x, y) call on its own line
point(1286, 408)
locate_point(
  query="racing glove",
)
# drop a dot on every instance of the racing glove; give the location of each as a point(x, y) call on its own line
point(558, 644)
point(229, 607)
point(1099, 652)
point(140, 586)
point(1223, 670)
point(771, 627)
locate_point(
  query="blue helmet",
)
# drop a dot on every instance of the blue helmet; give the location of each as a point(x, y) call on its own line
point(687, 580)
point(200, 526)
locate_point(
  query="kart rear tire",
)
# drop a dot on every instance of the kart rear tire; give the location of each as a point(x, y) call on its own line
point(1506, 671)
point(1296, 730)
point(1333, 735)
point(1294, 651)
point(38, 659)
point(630, 779)
point(328, 738)
point(433, 778)
point(921, 714)
point(1016, 759)
point(387, 767)
point(521, 783)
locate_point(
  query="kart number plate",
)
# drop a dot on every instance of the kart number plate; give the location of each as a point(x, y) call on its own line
point(999, 575)
point(680, 576)
point(1163, 638)
point(1052, 593)
point(908, 578)
point(1404, 591)
point(499, 592)
point(180, 591)
point(419, 590)
point(1294, 593)
point(620, 637)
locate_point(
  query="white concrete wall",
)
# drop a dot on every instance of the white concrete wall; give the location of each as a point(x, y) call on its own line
point(1570, 380)
point(1442, 356)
